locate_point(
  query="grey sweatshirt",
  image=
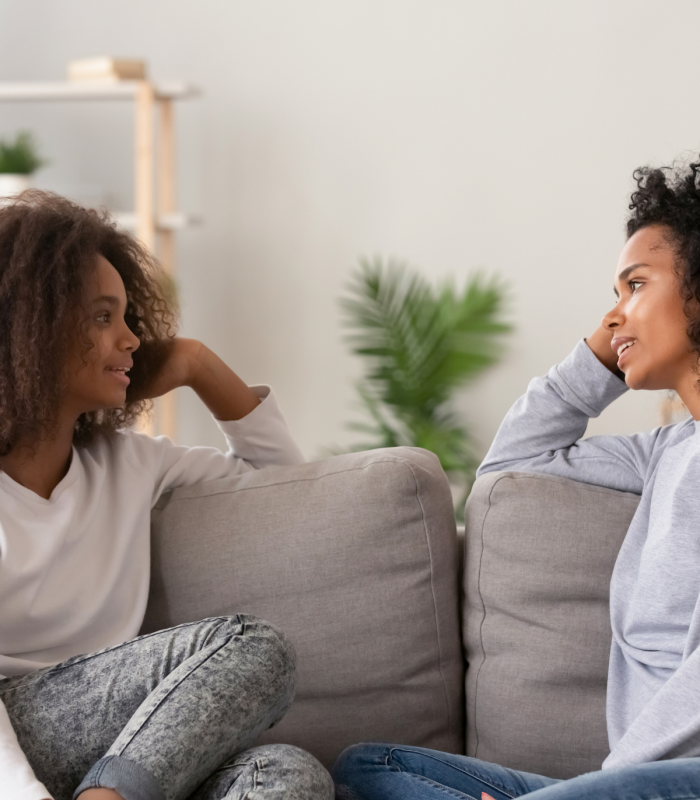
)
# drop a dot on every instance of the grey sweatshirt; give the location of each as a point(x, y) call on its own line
point(653, 698)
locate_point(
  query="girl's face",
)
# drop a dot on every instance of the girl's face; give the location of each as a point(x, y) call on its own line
point(648, 320)
point(99, 378)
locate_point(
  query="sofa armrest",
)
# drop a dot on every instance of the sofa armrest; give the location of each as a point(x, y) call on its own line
point(355, 558)
point(539, 556)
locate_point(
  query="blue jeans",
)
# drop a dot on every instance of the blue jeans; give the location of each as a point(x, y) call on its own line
point(399, 772)
point(168, 716)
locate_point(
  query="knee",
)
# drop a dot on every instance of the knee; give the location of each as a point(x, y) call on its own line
point(297, 768)
point(356, 759)
point(269, 644)
point(275, 643)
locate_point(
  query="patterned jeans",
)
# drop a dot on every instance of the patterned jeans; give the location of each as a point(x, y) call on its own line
point(168, 716)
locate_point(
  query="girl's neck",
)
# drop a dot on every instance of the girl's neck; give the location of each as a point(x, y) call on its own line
point(41, 466)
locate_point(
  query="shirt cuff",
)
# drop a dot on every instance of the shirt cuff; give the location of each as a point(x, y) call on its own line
point(587, 383)
point(262, 436)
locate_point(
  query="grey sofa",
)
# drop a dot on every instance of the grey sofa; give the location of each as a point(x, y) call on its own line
point(356, 557)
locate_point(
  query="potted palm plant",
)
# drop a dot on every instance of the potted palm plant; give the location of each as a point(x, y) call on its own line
point(420, 344)
point(19, 159)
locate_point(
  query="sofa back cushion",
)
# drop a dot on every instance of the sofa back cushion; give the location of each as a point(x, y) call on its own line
point(539, 556)
point(355, 558)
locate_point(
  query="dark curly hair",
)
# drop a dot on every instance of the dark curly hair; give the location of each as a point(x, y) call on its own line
point(670, 196)
point(48, 253)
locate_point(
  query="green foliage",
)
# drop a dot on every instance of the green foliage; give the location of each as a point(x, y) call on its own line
point(420, 344)
point(20, 157)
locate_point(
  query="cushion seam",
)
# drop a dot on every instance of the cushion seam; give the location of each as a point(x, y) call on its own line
point(435, 608)
point(483, 616)
point(395, 460)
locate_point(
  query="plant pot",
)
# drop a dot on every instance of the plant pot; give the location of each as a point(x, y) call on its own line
point(12, 184)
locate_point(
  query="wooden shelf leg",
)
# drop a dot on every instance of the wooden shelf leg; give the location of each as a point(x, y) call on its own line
point(143, 187)
point(167, 405)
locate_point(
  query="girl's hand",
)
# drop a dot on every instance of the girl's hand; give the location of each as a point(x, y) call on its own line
point(599, 343)
point(160, 367)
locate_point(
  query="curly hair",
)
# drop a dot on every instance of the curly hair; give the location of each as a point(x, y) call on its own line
point(670, 197)
point(48, 253)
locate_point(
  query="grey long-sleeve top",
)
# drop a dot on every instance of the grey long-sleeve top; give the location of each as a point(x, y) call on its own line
point(653, 698)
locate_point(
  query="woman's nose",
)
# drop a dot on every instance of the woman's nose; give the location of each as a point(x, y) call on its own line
point(612, 320)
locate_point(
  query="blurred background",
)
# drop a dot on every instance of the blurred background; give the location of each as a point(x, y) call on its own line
point(458, 135)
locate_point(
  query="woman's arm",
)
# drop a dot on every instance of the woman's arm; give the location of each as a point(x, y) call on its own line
point(599, 343)
point(543, 431)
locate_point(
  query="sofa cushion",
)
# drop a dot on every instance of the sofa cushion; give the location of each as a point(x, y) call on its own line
point(355, 558)
point(539, 556)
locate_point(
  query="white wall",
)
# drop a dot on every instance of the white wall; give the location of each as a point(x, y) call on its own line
point(459, 134)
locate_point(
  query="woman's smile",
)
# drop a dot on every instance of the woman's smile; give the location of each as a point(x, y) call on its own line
point(621, 345)
point(649, 305)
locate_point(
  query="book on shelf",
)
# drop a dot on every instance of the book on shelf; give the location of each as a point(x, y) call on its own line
point(107, 69)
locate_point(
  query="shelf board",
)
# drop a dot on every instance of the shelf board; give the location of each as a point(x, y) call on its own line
point(92, 90)
point(164, 222)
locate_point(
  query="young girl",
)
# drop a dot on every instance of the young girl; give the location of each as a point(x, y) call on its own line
point(86, 339)
point(649, 340)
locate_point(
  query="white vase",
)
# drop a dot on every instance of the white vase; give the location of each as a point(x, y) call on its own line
point(11, 185)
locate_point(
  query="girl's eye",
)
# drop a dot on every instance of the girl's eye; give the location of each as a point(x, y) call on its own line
point(103, 317)
point(633, 285)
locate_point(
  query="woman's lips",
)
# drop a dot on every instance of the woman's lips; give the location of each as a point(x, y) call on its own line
point(623, 354)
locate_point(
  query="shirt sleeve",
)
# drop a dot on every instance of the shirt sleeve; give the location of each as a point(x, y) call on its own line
point(543, 431)
point(260, 439)
point(17, 779)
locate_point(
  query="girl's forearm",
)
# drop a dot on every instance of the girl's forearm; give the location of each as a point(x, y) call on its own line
point(218, 386)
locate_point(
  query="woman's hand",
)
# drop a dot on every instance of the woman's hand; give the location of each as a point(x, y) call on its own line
point(599, 343)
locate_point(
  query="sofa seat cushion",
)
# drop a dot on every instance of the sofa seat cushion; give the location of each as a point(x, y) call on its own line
point(355, 558)
point(540, 551)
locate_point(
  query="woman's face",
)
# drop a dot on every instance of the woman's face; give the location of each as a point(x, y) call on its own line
point(98, 379)
point(649, 316)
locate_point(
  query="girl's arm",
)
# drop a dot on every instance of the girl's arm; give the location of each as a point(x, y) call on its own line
point(190, 363)
point(17, 779)
point(255, 430)
point(543, 431)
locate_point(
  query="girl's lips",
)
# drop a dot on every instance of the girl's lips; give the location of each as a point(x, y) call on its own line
point(122, 377)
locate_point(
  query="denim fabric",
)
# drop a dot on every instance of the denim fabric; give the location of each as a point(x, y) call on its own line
point(175, 705)
point(399, 772)
point(270, 772)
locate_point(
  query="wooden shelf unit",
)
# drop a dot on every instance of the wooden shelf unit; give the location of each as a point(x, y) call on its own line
point(154, 219)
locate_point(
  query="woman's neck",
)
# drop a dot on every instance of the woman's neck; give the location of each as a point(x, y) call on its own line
point(40, 467)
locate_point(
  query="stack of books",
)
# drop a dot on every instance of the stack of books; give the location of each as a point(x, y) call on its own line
point(107, 69)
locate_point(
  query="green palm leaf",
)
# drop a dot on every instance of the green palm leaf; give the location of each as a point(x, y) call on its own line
point(420, 344)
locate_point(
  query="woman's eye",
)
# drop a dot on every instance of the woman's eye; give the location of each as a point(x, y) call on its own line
point(103, 317)
point(633, 285)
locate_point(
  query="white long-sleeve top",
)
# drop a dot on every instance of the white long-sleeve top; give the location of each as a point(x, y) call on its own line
point(74, 569)
point(653, 712)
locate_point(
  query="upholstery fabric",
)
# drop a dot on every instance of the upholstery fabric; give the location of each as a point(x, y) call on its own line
point(355, 559)
point(539, 555)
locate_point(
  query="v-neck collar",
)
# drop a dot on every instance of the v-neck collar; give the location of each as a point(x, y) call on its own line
point(9, 484)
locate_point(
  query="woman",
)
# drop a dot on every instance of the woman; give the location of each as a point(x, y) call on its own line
point(649, 340)
point(87, 338)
